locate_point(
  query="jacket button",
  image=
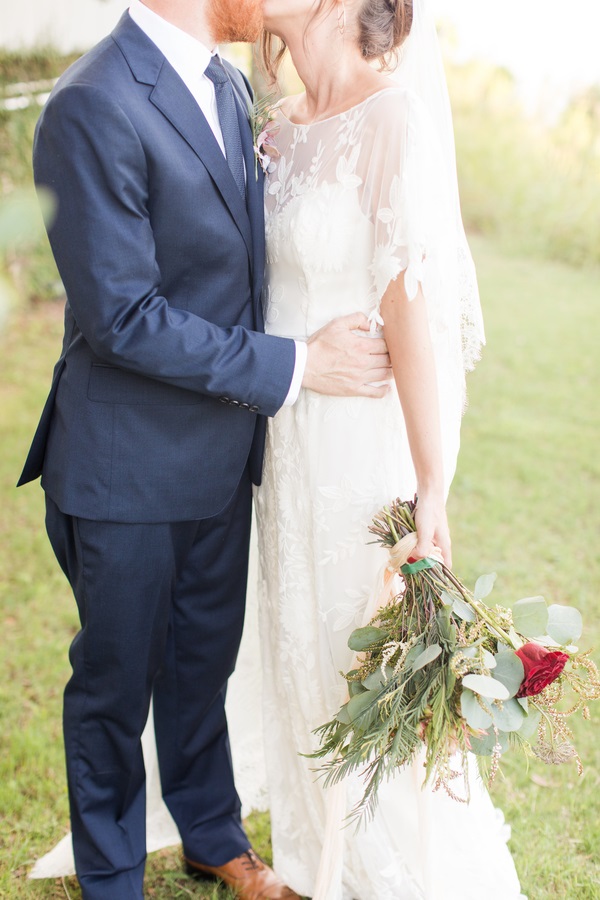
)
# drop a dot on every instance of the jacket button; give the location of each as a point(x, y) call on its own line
point(234, 402)
point(224, 399)
point(254, 409)
point(244, 406)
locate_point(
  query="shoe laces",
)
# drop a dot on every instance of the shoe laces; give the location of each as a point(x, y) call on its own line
point(252, 861)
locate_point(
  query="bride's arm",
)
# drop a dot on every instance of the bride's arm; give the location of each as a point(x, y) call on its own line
point(406, 332)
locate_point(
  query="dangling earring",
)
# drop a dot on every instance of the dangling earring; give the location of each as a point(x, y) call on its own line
point(342, 19)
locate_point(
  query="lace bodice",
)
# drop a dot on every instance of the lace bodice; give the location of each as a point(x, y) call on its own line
point(353, 201)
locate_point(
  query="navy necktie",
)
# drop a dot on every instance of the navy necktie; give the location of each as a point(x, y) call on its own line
point(229, 121)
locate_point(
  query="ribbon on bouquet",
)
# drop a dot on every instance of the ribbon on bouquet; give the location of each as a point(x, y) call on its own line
point(330, 872)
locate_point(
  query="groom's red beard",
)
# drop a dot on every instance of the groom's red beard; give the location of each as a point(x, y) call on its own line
point(235, 20)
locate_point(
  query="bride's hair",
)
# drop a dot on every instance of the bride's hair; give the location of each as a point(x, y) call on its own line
point(383, 25)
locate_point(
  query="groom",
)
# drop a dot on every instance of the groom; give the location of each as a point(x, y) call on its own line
point(154, 428)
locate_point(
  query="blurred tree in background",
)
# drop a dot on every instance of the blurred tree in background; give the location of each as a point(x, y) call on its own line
point(535, 186)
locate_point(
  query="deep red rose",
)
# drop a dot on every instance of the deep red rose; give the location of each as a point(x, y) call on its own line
point(542, 667)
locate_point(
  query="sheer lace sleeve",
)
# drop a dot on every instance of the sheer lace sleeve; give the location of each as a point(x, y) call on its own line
point(407, 198)
point(400, 191)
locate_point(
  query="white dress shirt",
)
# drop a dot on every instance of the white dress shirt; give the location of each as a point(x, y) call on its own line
point(190, 58)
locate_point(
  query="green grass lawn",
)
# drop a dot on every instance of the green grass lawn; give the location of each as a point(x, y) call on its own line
point(525, 503)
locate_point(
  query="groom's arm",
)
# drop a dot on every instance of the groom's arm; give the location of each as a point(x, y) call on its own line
point(88, 153)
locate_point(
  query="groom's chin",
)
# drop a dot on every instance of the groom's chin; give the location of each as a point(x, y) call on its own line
point(235, 20)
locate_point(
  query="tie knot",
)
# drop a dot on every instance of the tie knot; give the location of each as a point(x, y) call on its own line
point(215, 71)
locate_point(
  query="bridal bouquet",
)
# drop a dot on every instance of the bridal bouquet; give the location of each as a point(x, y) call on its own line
point(439, 667)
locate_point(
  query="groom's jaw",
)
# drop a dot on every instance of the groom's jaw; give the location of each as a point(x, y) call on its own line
point(235, 20)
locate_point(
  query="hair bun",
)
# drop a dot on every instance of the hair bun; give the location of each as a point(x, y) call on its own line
point(383, 27)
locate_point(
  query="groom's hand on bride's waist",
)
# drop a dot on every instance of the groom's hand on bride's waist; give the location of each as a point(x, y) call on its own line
point(345, 364)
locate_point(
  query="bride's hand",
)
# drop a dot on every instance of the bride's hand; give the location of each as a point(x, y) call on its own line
point(432, 529)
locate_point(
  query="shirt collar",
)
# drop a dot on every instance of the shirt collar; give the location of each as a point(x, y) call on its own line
point(188, 56)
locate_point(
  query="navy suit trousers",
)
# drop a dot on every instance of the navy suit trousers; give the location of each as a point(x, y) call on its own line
point(161, 609)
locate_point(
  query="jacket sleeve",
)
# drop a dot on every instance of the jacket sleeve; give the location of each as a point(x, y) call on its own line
point(88, 153)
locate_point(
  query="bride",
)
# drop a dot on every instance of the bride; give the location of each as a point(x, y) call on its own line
point(362, 213)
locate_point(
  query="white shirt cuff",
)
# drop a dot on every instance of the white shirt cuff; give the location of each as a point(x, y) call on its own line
point(299, 368)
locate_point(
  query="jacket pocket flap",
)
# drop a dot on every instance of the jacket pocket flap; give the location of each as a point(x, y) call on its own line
point(109, 384)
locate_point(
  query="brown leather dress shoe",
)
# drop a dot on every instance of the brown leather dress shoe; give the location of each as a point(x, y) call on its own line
point(248, 875)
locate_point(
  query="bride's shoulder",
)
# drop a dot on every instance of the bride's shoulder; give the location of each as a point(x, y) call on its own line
point(395, 114)
point(391, 104)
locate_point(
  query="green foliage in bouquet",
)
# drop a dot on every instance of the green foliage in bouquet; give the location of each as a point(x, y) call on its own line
point(441, 670)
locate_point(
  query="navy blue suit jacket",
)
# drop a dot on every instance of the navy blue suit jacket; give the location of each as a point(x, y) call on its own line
point(160, 396)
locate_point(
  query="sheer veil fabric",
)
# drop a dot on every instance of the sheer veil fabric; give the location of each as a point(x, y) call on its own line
point(420, 69)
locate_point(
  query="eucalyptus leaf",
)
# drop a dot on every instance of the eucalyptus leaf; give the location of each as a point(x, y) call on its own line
point(508, 716)
point(524, 703)
point(463, 610)
point(530, 616)
point(564, 624)
point(484, 586)
point(427, 656)
point(354, 688)
point(530, 724)
point(374, 680)
point(446, 598)
point(412, 654)
point(360, 704)
point(489, 659)
point(343, 715)
point(363, 638)
point(484, 745)
point(473, 711)
point(509, 670)
point(486, 686)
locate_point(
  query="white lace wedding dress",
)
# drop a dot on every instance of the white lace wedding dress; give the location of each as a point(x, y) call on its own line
point(352, 202)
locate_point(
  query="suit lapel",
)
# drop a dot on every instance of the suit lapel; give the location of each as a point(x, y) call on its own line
point(254, 192)
point(172, 98)
point(176, 103)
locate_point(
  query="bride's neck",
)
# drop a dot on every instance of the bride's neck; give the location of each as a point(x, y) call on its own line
point(332, 74)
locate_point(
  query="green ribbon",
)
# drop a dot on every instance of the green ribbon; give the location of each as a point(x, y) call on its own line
point(418, 566)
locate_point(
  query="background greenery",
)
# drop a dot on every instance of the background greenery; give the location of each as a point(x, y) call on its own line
point(525, 502)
